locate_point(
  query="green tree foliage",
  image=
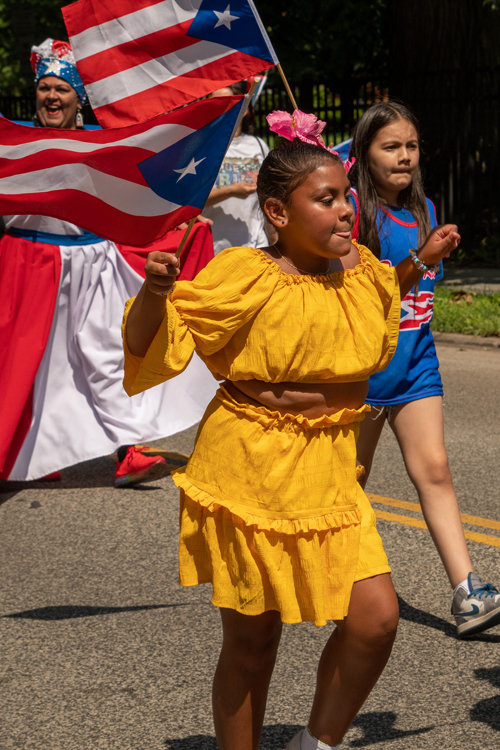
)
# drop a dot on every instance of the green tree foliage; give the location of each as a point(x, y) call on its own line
point(22, 24)
point(327, 39)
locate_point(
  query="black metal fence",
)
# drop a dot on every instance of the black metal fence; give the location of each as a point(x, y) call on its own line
point(459, 112)
point(23, 108)
point(339, 105)
point(17, 107)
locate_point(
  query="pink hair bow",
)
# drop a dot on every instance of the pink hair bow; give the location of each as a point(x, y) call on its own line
point(299, 125)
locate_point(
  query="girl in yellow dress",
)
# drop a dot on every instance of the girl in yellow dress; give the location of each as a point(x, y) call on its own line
point(271, 511)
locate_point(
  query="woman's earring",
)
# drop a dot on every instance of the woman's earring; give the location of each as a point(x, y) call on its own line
point(79, 119)
point(282, 222)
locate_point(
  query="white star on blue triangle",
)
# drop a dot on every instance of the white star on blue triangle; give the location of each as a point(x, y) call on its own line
point(190, 169)
point(207, 145)
point(224, 19)
point(236, 27)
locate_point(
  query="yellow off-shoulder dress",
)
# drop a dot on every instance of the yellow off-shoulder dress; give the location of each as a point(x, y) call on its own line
point(271, 511)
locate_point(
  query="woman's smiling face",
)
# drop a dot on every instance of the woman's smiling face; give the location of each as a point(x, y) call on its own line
point(56, 103)
point(393, 157)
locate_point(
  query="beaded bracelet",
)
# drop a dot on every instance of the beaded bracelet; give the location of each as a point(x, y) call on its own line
point(420, 263)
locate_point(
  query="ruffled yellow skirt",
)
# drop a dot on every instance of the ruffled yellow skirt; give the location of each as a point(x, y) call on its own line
point(272, 513)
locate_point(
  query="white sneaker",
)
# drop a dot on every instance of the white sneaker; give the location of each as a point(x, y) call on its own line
point(294, 743)
point(478, 610)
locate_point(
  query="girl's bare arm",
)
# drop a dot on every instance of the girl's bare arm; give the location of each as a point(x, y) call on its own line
point(238, 190)
point(438, 245)
point(148, 310)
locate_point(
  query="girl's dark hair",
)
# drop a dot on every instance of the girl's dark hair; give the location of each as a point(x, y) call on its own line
point(286, 167)
point(248, 122)
point(412, 197)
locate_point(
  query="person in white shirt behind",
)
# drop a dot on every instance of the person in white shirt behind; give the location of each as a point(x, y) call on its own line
point(232, 205)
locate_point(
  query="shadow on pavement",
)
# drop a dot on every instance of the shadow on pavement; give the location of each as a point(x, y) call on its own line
point(195, 742)
point(378, 726)
point(274, 737)
point(6, 493)
point(419, 616)
point(99, 473)
point(413, 614)
point(70, 612)
point(488, 711)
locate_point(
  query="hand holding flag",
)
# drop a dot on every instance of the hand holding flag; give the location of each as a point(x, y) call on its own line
point(161, 271)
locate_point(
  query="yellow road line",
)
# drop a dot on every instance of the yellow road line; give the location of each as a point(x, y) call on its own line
point(494, 541)
point(485, 523)
point(418, 523)
point(398, 518)
point(394, 503)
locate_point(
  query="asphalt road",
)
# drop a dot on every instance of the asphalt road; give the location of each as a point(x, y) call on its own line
point(101, 649)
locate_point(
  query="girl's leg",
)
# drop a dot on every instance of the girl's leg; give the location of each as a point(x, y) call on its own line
point(242, 677)
point(370, 430)
point(419, 429)
point(354, 657)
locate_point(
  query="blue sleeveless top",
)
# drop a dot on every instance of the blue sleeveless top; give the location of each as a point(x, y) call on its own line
point(413, 372)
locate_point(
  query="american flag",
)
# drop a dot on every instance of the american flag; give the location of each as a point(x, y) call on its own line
point(129, 184)
point(140, 58)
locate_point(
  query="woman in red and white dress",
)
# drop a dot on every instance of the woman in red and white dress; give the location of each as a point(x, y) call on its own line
point(63, 292)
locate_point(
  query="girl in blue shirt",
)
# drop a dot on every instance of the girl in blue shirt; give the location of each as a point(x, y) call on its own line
point(393, 217)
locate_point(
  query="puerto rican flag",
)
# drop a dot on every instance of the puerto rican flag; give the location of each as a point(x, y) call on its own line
point(130, 184)
point(416, 310)
point(140, 58)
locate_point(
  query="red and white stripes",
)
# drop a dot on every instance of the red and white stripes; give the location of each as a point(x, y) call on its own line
point(137, 61)
point(92, 178)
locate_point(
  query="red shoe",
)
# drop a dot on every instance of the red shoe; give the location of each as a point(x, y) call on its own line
point(54, 477)
point(136, 468)
point(174, 459)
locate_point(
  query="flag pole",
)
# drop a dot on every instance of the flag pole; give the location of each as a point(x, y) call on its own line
point(192, 221)
point(185, 236)
point(287, 86)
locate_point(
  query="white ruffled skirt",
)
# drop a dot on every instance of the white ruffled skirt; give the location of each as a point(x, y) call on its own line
point(80, 410)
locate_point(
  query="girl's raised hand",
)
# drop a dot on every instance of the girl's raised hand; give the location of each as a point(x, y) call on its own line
point(439, 244)
point(161, 271)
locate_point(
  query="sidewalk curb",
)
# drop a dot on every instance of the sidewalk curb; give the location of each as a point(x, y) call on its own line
point(463, 339)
